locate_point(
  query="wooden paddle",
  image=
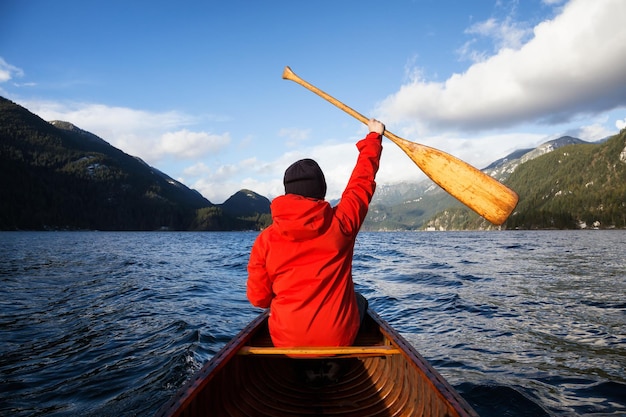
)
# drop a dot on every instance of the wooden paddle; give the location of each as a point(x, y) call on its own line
point(477, 190)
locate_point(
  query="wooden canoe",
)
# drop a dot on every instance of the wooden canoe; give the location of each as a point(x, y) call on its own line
point(381, 375)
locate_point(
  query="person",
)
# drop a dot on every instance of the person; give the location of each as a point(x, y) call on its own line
point(301, 265)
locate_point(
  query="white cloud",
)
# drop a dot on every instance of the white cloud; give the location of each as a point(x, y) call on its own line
point(620, 124)
point(149, 135)
point(575, 64)
point(100, 117)
point(592, 132)
point(197, 170)
point(8, 71)
point(186, 144)
point(506, 34)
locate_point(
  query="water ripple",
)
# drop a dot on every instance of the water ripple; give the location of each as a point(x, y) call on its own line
point(111, 324)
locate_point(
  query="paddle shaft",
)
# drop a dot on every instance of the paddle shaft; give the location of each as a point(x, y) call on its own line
point(472, 187)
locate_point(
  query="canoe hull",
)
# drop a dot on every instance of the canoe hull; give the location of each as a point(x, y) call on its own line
point(401, 383)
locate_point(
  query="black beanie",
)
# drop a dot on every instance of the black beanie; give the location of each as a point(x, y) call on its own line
point(305, 178)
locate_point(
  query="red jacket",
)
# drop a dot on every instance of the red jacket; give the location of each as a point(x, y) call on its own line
point(301, 265)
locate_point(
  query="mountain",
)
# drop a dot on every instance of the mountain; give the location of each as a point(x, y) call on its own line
point(583, 185)
point(246, 203)
point(503, 168)
point(407, 209)
point(580, 186)
point(249, 206)
point(424, 205)
point(58, 176)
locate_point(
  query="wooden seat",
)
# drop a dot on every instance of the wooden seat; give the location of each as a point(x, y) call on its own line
point(342, 351)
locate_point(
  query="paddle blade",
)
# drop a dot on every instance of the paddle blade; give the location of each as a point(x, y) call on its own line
point(485, 195)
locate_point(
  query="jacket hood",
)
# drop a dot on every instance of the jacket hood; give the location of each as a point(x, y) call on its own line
point(299, 218)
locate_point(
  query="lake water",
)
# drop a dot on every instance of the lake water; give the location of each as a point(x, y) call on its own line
point(521, 323)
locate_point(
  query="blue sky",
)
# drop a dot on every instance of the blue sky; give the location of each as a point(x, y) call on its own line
point(194, 88)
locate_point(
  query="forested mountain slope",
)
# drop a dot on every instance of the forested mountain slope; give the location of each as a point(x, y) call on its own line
point(57, 176)
point(574, 186)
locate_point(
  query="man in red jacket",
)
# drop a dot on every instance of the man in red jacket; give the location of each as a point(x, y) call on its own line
point(301, 266)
